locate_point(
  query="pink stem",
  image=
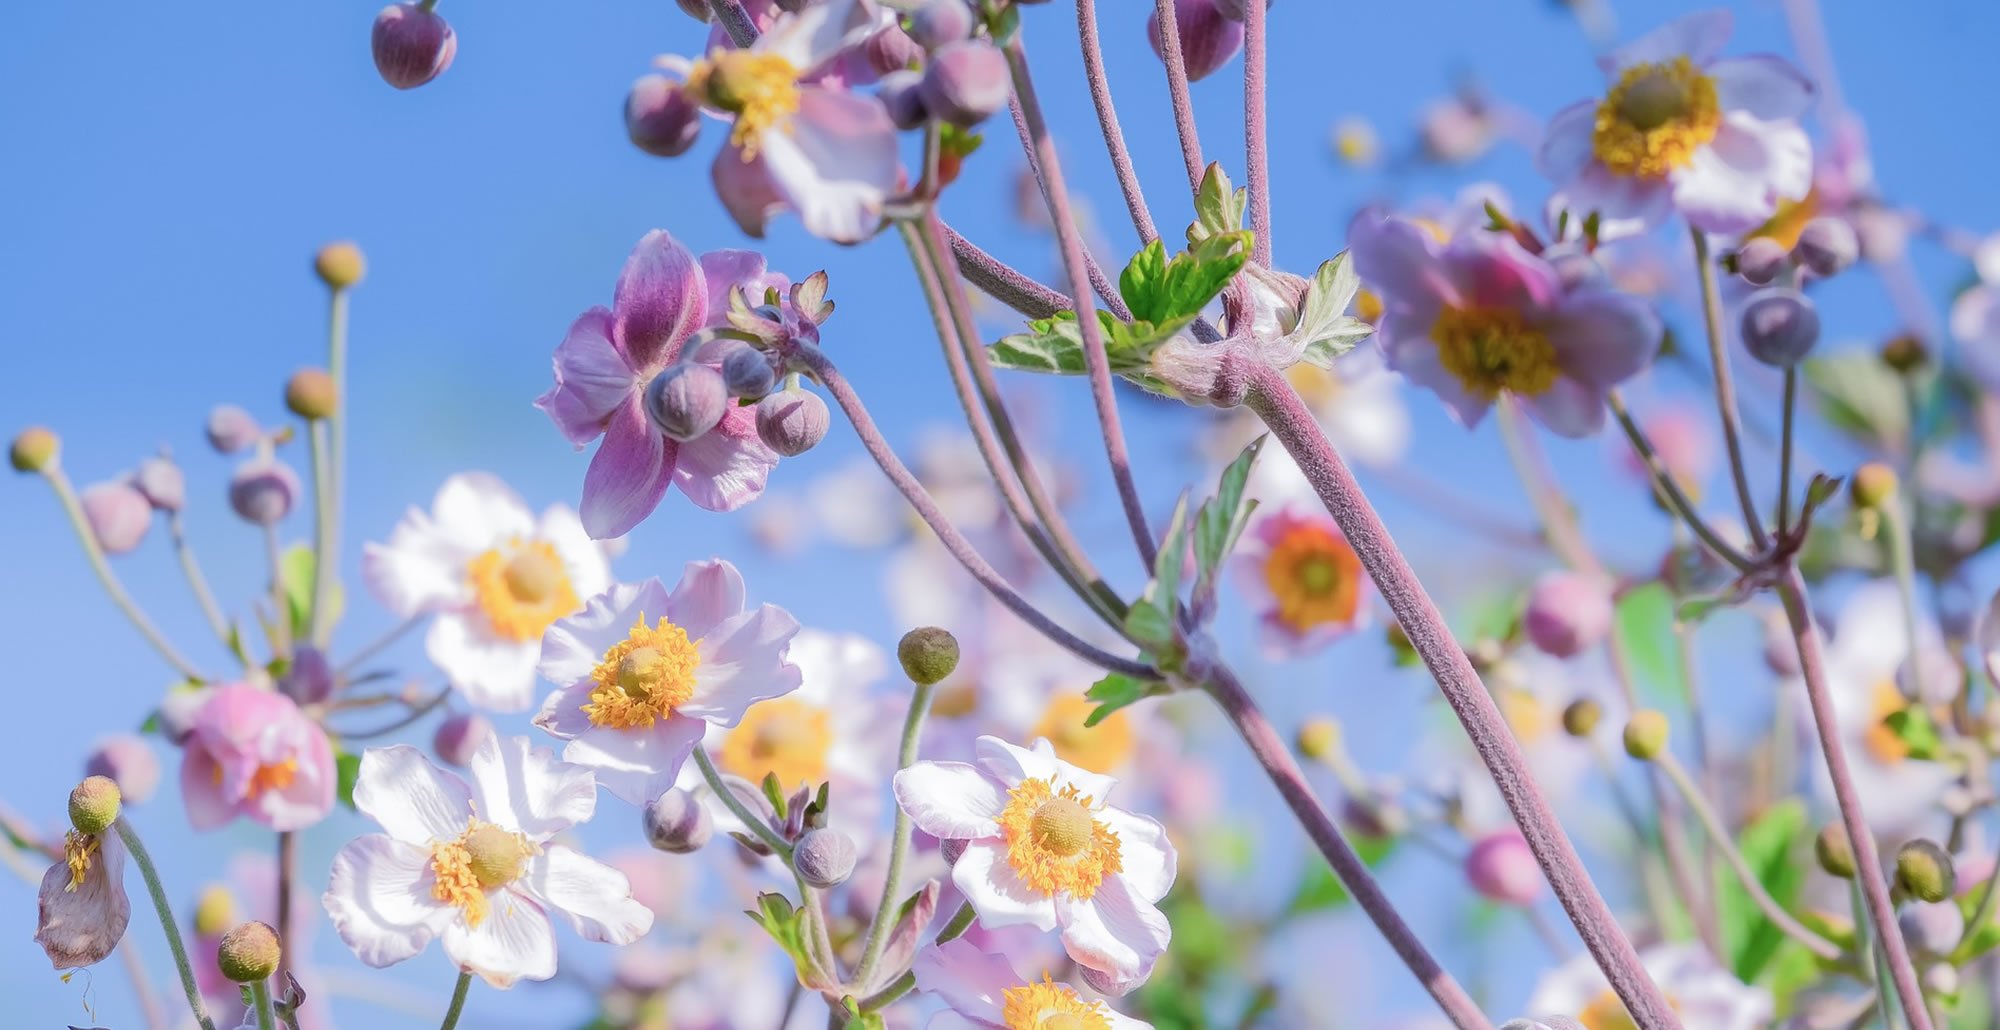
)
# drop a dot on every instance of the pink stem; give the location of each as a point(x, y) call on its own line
point(1255, 132)
point(1107, 120)
point(1001, 281)
point(1177, 87)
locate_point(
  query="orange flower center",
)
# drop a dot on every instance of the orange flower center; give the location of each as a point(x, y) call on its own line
point(1054, 843)
point(1100, 748)
point(1494, 349)
point(1315, 576)
point(641, 678)
point(522, 589)
point(785, 737)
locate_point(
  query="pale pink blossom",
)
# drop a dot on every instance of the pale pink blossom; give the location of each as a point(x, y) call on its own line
point(251, 752)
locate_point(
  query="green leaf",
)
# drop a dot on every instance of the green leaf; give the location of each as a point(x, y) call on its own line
point(1644, 630)
point(1325, 330)
point(1979, 939)
point(1770, 846)
point(1860, 396)
point(1321, 890)
point(297, 574)
point(1220, 521)
point(1151, 619)
point(1115, 691)
point(785, 924)
point(1164, 292)
point(1914, 728)
point(1143, 283)
point(1218, 206)
point(347, 771)
point(1055, 344)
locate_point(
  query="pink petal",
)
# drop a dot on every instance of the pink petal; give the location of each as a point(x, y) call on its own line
point(1402, 263)
point(709, 592)
point(969, 980)
point(1764, 85)
point(1625, 205)
point(592, 379)
point(1735, 183)
point(727, 468)
point(593, 898)
point(1699, 37)
point(1569, 408)
point(725, 270)
point(661, 298)
point(636, 765)
point(837, 165)
point(1493, 271)
point(743, 662)
point(628, 475)
point(1567, 144)
point(747, 192)
point(1603, 337)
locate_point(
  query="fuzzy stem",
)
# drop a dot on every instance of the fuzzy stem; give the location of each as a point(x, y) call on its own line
point(735, 21)
point(197, 582)
point(78, 521)
point(737, 808)
point(288, 871)
point(1256, 150)
point(1785, 449)
point(1725, 388)
point(1902, 564)
point(1274, 400)
point(1177, 88)
point(1669, 488)
point(158, 892)
point(457, 1002)
point(260, 1003)
point(1107, 121)
point(899, 847)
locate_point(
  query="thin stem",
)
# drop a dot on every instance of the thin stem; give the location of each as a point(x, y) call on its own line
point(281, 610)
point(737, 808)
point(961, 549)
point(142, 988)
point(326, 505)
point(1785, 449)
point(1270, 751)
point(1665, 483)
point(899, 847)
point(1559, 949)
point(734, 20)
point(1725, 388)
point(1558, 518)
point(429, 704)
point(1107, 121)
point(1003, 282)
point(73, 508)
point(1177, 88)
point(1096, 359)
point(1902, 564)
point(288, 871)
point(378, 645)
point(1718, 834)
point(1256, 151)
point(1274, 400)
point(1867, 862)
point(260, 1003)
point(158, 892)
point(204, 598)
point(328, 494)
point(457, 1001)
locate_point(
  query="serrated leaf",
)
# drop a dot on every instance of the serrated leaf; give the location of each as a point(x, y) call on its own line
point(1221, 520)
point(1218, 205)
point(1769, 845)
point(1325, 330)
point(1115, 691)
point(1054, 345)
point(1144, 280)
point(1167, 294)
point(1644, 630)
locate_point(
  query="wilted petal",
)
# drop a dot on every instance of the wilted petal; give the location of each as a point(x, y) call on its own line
point(79, 927)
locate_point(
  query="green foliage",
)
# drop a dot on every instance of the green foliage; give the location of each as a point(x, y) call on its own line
point(1860, 396)
point(1773, 846)
point(298, 577)
point(347, 771)
point(1914, 728)
point(1644, 631)
point(1325, 329)
point(1979, 938)
point(1220, 521)
point(1320, 890)
point(1218, 206)
point(1163, 292)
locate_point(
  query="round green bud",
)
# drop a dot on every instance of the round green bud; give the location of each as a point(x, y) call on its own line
point(340, 265)
point(310, 394)
point(1319, 738)
point(1646, 734)
point(1923, 871)
point(928, 654)
point(249, 953)
point(34, 449)
point(1834, 851)
point(498, 856)
point(1905, 354)
point(214, 911)
point(1580, 719)
point(93, 805)
point(1874, 485)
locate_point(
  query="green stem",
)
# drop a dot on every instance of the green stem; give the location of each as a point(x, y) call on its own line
point(457, 1002)
point(1902, 564)
point(158, 892)
point(737, 808)
point(899, 848)
point(78, 521)
point(1558, 518)
point(199, 584)
point(260, 1001)
point(329, 494)
point(281, 609)
point(326, 505)
point(1725, 388)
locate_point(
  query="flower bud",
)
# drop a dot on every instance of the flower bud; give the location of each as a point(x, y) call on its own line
point(660, 118)
point(697, 9)
point(1208, 40)
point(340, 265)
point(1107, 984)
point(792, 422)
point(412, 45)
point(965, 82)
point(928, 654)
point(1827, 246)
point(263, 491)
point(310, 678)
point(1236, 10)
point(902, 92)
point(1580, 719)
point(118, 515)
point(1780, 326)
point(1319, 738)
point(1905, 353)
point(177, 712)
point(34, 449)
point(1941, 979)
point(214, 911)
point(161, 483)
point(747, 372)
point(1760, 259)
point(686, 400)
point(459, 736)
point(1502, 868)
point(677, 823)
point(231, 429)
point(1646, 734)
point(1931, 930)
point(1834, 851)
point(249, 953)
point(890, 49)
point(93, 805)
point(1873, 486)
point(1923, 871)
point(951, 848)
point(1567, 613)
point(940, 23)
point(310, 394)
point(825, 858)
point(129, 762)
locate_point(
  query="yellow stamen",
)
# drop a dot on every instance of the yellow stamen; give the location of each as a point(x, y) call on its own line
point(1050, 1006)
point(1054, 843)
point(1880, 740)
point(1789, 220)
point(1100, 748)
point(1494, 349)
point(522, 589)
point(77, 850)
point(1525, 713)
point(1654, 119)
point(784, 736)
point(1315, 577)
point(1606, 1012)
point(761, 90)
point(642, 678)
point(476, 863)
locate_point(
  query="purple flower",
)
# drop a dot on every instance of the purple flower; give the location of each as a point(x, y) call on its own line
point(1681, 129)
point(602, 367)
point(1480, 315)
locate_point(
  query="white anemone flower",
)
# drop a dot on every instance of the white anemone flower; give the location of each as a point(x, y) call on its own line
point(985, 993)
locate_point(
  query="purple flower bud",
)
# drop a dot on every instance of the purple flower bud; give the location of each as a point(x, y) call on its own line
point(747, 372)
point(1760, 259)
point(951, 848)
point(696, 9)
point(940, 23)
point(128, 761)
point(891, 50)
point(160, 481)
point(791, 422)
point(459, 736)
point(659, 117)
point(1107, 984)
point(1236, 10)
point(824, 858)
point(1208, 40)
point(1827, 246)
point(263, 491)
point(903, 94)
point(1931, 930)
point(231, 429)
point(310, 678)
point(118, 515)
point(687, 400)
point(676, 823)
point(1780, 326)
point(412, 46)
point(1567, 614)
point(1502, 868)
point(965, 82)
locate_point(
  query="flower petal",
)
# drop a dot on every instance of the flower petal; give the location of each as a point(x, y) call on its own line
point(1568, 144)
point(637, 765)
point(743, 661)
point(1569, 408)
point(951, 800)
point(521, 787)
point(628, 475)
point(1492, 270)
point(709, 593)
point(1602, 336)
point(562, 713)
point(1624, 205)
point(414, 801)
point(726, 270)
point(1148, 856)
point(379, 898)
point(725, 468)
point(513, 942)
point(1699, 37)
point(1114, 931)
point(592, 379)
point(1764, 85)
point(1401, 261)
point(494, 674)
point(573, 646)
point(969, 980)
point(1001, 899)
point(595, 899)
point(660, 300)
point(834, 163)
point(480, 510)
point(79, 926)
point(746, 189)
point(584, 560)
point(1413, 353)
point(1735, 183)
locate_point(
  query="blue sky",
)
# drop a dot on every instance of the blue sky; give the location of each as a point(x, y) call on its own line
point(168, 174)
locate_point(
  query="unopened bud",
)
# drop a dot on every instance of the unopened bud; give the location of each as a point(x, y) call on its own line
point(677, 823)
point(249, 953)
point(747, 372)
point(1502, 868)
point(1827, 246)
point(890, 50)
point(825, 858)
point(941, 22)
point(340, 265)
point(459, 736)
point(1931, 930)
point(162, 483)
point(1567, 613)
point(263, 491)
point(1834, 851)
point(696, 9)
point(310, 679)
point(231, 429)
point(1580, 719)
point(792, 422)
point(1941, 979)
point(660, 118)
point(1319, 738)
point(118, 514)
point(1905, 353)
point(129, 762)
point(310, 394)
point(1646, 734)
point(34, 449)
point(928, 654)
point(902, 93)
point(412, 45)
point(94, 804)
point(1208, 40)
point(214, 911)
point(951, 848)
point(1924, 872)
point(965, 82)
point(1780, 326)
point(1760, 259)
point(686, 401)
point(1873, 485)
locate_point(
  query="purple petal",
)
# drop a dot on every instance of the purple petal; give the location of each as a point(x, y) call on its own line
point(592, 379)
point(1603, 337)
point(726, 269)
point(727, 468)
point(1494, 271)
point(661, 298)
point(1735, 183)
point(709, 593)
point(1568, 408)
point(1764, 85)
point(1400, 261)
point(1699, 37)
point(837, 165)
point(1567, 144)
point(744, 186)
point(1416, 357)
point(628, 475)
point(1624, 205)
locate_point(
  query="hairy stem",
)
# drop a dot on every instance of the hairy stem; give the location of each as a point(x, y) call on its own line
point(165, 909)
point(899, 846)
point(1256, 149)
point(1725, 388)
point(1670, 489)
point(1177, 88)
point(260, 1003)
point(73, 508)
point(1107, 121)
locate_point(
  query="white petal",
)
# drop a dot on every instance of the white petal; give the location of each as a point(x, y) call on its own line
point(837, 164)
point(414, 801)
point(573, 646)
point(1144, 851)
point(589, 568)
point(709, 594)
point(1735, 183)
point(521, 787)
point(1699, 37)
point(1001, 899)
point(1113, 932)
point(595, 899)
point(420, 569)
point(972, 982)
point(1763, 85)
point(495, 674)
point(636, 765)
point(478, 509)
point(816, 33)
point(379, 897)
point(514, 941)
point(1012, 764)
point(951, 800)
point(562, 714)
point(743, 661)
point(1567, 143)
point(836, 667)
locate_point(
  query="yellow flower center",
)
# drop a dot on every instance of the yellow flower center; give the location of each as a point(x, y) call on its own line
point(522, 588)
point(77, 849)
point(785, 737)
point(1654, 118)
point(214, 911)
point(642, 677)
point(1368, 306)
point(955, 701)
point(1880, 739)
point(1315, 577)
point(1494, 349)
point(1050, 1006)
point(1525, 713)
point(1606, 1012)
point(1100, 748)
point(1054, 843)
point(476, 863)
point(761, 90)
point(1789, 220)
